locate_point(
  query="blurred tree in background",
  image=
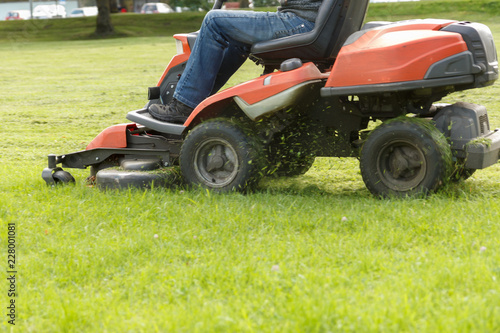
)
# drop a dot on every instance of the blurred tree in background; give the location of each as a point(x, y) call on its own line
point(104, 26)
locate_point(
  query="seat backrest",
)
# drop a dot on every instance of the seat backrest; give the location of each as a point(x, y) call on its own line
point(336, 21)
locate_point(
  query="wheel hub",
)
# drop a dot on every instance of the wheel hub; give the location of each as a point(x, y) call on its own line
point(216, 163)
point(401, 165)
point(404, 162)
point(216, 160)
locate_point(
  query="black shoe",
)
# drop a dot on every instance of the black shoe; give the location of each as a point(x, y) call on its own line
point(175, 112)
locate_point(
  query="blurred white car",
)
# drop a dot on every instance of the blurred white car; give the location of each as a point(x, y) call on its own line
point(83, 11)
point(49, 11)
point(155, 8)
point(18, 15)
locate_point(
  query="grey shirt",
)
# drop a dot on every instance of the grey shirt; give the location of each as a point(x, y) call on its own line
point(307, 9)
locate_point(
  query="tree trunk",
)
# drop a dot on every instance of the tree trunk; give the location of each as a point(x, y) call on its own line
point(104, 26)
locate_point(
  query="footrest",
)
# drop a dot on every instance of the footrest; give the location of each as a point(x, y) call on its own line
point(143, 117)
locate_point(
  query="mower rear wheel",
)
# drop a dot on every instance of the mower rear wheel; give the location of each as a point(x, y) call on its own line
point(222, 156)
point(405, 157)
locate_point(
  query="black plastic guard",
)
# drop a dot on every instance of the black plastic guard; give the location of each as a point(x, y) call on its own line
point(483, 152)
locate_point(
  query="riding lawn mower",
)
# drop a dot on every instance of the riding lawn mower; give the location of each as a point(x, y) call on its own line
point(343, 89)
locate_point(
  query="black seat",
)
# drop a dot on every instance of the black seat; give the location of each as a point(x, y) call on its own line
point(336, 21)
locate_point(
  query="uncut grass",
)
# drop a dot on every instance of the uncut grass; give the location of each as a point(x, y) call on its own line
point(312, 253)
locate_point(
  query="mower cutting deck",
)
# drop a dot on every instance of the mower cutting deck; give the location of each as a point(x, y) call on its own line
point(319, 93)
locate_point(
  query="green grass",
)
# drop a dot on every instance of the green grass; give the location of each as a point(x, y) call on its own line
point(316, 253)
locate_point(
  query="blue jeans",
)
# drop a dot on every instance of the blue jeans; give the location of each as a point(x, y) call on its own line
point(223, 45)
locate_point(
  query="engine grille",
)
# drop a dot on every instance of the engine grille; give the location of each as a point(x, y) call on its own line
point(484, 124)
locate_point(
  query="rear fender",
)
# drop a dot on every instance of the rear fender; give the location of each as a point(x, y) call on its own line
point(394, 53)
point(262, 96)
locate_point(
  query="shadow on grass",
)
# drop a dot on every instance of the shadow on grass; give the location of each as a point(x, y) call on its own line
point(297, 186)
point(305, 186)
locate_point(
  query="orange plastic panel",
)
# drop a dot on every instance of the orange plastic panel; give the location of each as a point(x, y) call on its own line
point(112, 137)
point(178, 58)
point(392, 55)
point(262, 87)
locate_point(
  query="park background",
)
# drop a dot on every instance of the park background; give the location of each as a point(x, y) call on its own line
point(315, 253)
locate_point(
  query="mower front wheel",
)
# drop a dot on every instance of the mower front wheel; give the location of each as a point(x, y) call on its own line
point(405, 157)
point(220, 155)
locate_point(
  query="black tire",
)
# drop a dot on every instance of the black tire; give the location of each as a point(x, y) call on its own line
point(405, 157)
point(221, 155)
point(62, 177)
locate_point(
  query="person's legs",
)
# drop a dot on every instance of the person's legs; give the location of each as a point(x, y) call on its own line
point(212, 53)
point(223, 45)
point(234, 57)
